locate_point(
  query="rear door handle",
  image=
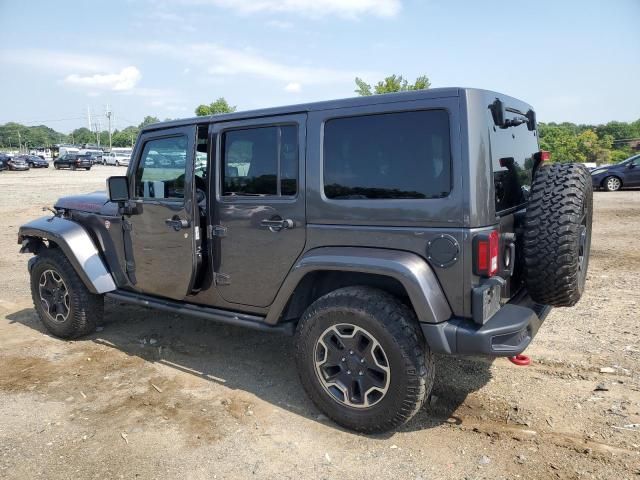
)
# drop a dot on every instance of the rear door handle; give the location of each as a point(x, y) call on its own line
point(177, 223)
point(276, 223)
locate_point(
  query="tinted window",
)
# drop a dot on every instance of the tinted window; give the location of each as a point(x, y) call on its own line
point(261, 161)
point(393, 155)
point(161, 170)
point(512, 151)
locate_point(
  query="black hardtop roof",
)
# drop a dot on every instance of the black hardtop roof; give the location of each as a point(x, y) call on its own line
point(308, 107)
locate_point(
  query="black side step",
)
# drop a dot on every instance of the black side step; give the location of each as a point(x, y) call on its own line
point(255, 322)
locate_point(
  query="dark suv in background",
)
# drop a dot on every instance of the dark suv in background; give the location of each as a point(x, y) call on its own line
point(73, 161)
point(617, 176)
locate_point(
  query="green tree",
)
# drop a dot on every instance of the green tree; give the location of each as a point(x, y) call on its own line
point(148, 120)
point(83, 135)
point(391, 84)
point(215, 108)
point(125, 137)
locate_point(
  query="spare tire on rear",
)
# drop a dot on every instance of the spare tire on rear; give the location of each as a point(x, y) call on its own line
point(557, 234)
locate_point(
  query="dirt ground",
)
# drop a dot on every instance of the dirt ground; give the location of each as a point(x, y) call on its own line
point(152, 395)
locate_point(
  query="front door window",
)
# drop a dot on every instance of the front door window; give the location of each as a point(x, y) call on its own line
point(162, 168)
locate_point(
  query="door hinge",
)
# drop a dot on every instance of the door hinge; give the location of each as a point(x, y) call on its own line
point(221, 278)
point(216, 231)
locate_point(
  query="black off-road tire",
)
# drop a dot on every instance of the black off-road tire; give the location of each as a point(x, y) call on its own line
point(85, 308)
point(557, 234)
point(395, 327)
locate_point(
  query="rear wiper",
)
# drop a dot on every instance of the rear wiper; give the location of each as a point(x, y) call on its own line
point(498, 111)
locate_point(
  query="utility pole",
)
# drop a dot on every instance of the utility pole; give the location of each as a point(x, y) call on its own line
point(108, 114)
point(89, 117)
point(19, 142)
point(98, 126)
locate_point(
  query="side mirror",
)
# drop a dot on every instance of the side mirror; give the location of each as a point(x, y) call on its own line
point(118, 188)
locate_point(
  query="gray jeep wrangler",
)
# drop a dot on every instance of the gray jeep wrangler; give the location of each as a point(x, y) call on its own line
point(378, 230)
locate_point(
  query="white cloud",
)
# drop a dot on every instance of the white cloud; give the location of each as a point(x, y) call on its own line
point(125, 80)
point(221, 61)
point(293, 87)
point(280, 24)
point(51, 60)
point(312, 8)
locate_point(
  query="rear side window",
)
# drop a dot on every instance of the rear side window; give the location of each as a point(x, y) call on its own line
point(260, 161)
point(388, 156)
point(512, 151)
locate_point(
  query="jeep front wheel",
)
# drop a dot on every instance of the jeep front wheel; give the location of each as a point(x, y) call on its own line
point(65, 306)
point(363, 360)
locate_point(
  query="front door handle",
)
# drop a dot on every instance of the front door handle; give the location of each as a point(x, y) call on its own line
point(277, 223)
point(177, 223)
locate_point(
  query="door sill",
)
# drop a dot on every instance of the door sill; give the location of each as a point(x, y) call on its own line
point(228, 317)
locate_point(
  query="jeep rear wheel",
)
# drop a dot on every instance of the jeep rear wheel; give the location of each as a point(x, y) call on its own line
point(557, 235)
point(363, 360)
point(65, 306)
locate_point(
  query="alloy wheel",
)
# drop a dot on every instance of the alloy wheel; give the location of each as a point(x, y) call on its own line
point(54, 296)
point(613, 184)
point(352, 366)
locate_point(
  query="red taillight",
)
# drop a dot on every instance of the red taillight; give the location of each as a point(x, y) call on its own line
point(487, 246)
point(542, 156)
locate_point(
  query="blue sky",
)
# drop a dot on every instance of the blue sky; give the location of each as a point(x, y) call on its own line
point(574, 61)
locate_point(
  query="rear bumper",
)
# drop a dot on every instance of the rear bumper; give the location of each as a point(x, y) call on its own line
point(507, 333)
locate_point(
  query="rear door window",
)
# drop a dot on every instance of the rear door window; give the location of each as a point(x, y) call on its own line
point(261, 161)
point(402, 155)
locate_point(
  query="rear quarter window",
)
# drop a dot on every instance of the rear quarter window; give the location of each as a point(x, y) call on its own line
point(401, 155)
point(512, 151)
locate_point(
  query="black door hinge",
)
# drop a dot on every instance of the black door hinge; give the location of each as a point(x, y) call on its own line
point(216, 231)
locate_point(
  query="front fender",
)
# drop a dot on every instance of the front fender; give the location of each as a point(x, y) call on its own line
point(412, 271)
point(76, 244)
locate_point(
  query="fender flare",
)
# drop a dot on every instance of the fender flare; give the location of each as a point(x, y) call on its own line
point(411, 270)
point(75, 243)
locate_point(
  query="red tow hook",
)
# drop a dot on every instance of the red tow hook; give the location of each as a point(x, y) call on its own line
point(520, 360)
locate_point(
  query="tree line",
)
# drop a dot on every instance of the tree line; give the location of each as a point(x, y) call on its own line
point(568, 142)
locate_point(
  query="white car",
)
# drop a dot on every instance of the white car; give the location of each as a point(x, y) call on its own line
point(115, 158)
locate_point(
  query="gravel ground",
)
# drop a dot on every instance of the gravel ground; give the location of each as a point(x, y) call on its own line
point(152, 395)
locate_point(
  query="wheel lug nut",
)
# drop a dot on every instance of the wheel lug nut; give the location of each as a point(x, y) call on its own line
point(362, 360)
point(360, 372)
point(344, 359)
point(348, 372)
point(350, 352)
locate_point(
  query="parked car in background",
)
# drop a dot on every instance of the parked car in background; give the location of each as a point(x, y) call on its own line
point(72, 161)
point(4, 159)
point(17, 163)
point(617, 176)
point(94, 154)
point(34, 161)
point(116, 158)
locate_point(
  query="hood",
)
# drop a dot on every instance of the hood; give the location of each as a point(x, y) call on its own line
point(90, 202)
point(601, 169)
